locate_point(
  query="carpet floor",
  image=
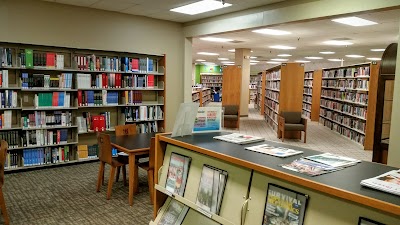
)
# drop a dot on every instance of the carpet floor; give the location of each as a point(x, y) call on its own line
point(67, 195)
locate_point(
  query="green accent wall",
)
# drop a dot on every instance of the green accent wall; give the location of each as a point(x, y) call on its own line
point(205, 69)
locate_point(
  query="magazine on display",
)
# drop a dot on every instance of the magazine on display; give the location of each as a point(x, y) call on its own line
point(366, 221)
point(274, 151)
point(174, 214)
point(284, 206)
point(387, 182)
point(333, 160)
point(237, 138)
point(211, 189)
point(208, 119)
point(178, 171)
point(309, 167)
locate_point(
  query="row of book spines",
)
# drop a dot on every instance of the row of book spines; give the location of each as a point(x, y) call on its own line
point(63, 80)
point(6, 119)
point(85, 151)
point(43, 119)
point(44, 137)
point(355, 111)
point(11, 137)
point(150, 127)
point(353, 135)
point(143, 113)
point(114, 80)
point(94, 122)
point(6, 57)
point(52, 99)
point(9, 99)
point(4, 78)
point(42, 156)
point(361, 71)
point(132, 97)
point(90, 98)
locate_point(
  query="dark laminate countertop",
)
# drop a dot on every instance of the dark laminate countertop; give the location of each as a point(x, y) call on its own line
point(133, 142)
point(346, 180)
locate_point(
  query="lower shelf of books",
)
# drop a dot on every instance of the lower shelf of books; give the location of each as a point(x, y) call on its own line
point(10, 169)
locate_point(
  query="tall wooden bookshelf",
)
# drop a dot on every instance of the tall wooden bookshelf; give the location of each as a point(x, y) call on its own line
point(211, 80)
point(253, 88)
point(261, 92)
point(312, 94)
point(53, 87)
point(203, 96)
point(348, 93)
point(284, 92)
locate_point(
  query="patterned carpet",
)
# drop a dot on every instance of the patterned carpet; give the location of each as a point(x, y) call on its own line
point(67, 195)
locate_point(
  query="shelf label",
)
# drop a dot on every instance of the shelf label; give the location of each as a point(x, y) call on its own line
point(204, 212)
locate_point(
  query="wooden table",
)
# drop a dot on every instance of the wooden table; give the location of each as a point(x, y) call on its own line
point(133, 145)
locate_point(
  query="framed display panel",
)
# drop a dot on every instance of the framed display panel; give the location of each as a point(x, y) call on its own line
point(366, 221)
point(235, 189)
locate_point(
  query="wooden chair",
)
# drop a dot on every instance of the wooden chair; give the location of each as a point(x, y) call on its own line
point(3, 156)
point(122, 130)
point(105, 156)
point(231, 116)
point(292, 121)
point(149, 167)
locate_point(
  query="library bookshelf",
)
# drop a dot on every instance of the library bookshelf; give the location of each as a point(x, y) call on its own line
point(284, 92)
point(55, 100)
point(261, 92)
point(202, 95)
point(348, 101)
point(211, 80)
point(311, 94)
point(253, 88)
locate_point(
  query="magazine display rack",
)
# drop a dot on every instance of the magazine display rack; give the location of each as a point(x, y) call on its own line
point(249, 175)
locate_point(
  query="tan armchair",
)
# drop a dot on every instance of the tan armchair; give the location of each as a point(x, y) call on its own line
point(292, 121)
point(231, 116)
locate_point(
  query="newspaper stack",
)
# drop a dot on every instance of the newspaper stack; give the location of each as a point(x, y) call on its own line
point(387, 182)
point(239, 138)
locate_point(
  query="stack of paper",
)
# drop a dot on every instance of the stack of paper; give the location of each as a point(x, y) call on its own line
point(239, 138)
point(387, 182)
point(275, 151)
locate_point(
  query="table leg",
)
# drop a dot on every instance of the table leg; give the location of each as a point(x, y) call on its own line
point(132, 180)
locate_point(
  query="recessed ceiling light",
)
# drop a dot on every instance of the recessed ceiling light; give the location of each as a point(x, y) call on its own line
point(200, 7)
point(207, 53)
point(272, 62)
point(200, 60)
point(327, 53)
point(253, 57)
point(281, 60)
point(313, 57)
point(254, 61)
point(335, 60)
point(354, 21)
point(355, 56)
point(208, 63)
point(271, 32)
point(233, 50)
point(282, 47)
point(374, 59)
point(215, 39)
point(302, 61)
point(337, 42)
point(253, 64)
point(223, 59)
point(227, 62)
point(377, 50)
point(284, 55)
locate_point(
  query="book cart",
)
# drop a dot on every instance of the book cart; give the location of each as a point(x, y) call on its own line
point(332, 201)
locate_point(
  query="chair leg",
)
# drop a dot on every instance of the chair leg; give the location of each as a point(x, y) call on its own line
point(100, 178)
point(118, 172)
point(305, 136)
point(150, 180)
point(110, 182)
point(3, 208)
point(137, 177)
point(124, 174)
point(283, 135)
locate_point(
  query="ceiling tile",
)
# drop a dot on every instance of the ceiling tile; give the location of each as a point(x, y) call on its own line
point(112, 6)
point(77, 2)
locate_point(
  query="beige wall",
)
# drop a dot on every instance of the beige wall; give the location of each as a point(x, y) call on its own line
point(37, 22)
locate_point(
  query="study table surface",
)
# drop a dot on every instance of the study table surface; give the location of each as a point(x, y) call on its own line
point(344, 183)
point(133, 145)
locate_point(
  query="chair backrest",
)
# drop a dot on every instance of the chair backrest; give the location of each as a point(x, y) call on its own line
point(292, 117)
point(231, 110)
point(3, 156)
point(128, 129)
point(152, 153)
point(105, 149)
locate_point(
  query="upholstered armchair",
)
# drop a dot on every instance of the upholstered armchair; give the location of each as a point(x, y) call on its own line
point(292, 121)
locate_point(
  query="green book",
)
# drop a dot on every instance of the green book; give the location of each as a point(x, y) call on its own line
point(29, 58)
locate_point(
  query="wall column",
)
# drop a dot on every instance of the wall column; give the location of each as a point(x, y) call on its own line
point(394, 143)
point(187, 71)
point(242, 58)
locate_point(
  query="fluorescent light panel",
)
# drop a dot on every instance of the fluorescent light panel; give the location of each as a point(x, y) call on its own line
point(281, 60)
point(354, 21)
point(215, 39)
point(200, 60)
point(253, 57)
point(233, 50)
point(271, 32)
point(254, 61)
point(200, 7)
point(284, 47)
point(273, 62)
point(207, 53)
point(377, 50)
point(374, 59)
point(253, 64)
point(313, 57)
point(284, 55)
point(223, 59)
point(227, 62)
point(302, 61)
point(337, 42)
point(335, 60)
point(355, 56)
point(327, 53)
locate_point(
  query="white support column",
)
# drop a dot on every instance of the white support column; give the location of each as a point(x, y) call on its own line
point(242, 57)
point(394, 143)
point(187, 71)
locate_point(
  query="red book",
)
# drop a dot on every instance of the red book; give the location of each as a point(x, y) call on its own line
point(50, 60)
point(1, 79)
point(95, 123)
point(102, 123)
point(62, 154)
point(58, 136)
point(79, 98)
point(150, 81)
point(135, 64)
point(86, 98)
point(55, 99)
point(104, 80)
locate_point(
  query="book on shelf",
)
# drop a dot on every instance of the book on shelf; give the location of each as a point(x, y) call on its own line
point(6, 57)
point(6, 119)
point(148, 127)
point(43, 81)
point(142, 113)
point(9, 99)
point(43, 119)
point(178, 171)
point(274, 151)
point(83, 152)
point(4, 78)
point(97, 98)
point(387, 182)
point(237, 138)
point(309, 167)
point(211, 189)
point(12, 138)
point(333, 160)
point(48, 155)
point(31, 138)
point(174, 214)
point(284, 206)
point(52, 99)
point(12, 160)
point(91, 123)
